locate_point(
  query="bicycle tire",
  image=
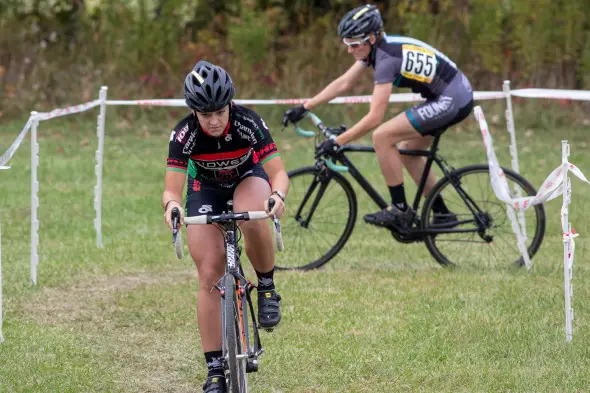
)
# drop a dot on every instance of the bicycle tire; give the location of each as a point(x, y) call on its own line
point(316, 229)
point(433, 241)
point(237, 367)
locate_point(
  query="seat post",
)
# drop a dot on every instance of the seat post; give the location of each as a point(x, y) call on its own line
point(434, 146)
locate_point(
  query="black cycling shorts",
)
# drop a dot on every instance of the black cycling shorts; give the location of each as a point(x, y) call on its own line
point(207, 197)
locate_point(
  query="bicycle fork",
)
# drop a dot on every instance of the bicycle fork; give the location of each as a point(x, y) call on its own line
point(242, 288)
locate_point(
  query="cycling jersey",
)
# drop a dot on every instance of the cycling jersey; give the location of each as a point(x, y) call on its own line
point(224, 160)
point(408, 62)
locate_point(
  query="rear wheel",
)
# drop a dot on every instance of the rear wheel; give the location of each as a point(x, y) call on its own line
point(495, 244)
point(320, 217)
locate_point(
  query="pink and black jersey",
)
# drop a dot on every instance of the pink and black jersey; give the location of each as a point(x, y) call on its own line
point(245, 143)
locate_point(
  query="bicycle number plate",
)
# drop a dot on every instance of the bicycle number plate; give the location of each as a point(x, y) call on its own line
point(418, 63)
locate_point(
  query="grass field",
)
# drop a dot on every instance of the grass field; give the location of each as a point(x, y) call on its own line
point(380, 317)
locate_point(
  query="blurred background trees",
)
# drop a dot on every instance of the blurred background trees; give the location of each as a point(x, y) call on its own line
point(54, 52)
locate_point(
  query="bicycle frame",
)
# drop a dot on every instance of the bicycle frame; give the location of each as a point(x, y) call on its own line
point(243, 288)
point(431, 157)
point(370, 190)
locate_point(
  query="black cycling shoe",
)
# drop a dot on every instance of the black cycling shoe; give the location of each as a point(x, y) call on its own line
point(390, 217)
point(444, 220)
point(269, 308)
point(215, 384)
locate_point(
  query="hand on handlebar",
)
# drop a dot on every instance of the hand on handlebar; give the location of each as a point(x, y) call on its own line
point(294, 114)
point(329, 146)
point(274, 206)
point(168, 215)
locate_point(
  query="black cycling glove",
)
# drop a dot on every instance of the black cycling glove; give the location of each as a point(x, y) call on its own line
point(328, 146)
point(294, 114)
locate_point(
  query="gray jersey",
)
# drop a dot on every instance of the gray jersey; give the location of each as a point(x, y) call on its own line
point(408, 62)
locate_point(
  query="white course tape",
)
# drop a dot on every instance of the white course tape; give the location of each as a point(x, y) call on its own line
point(401, 97)
point(557, 183)
point(68, 111)
point(550, 188)
point(7, 155)
point(4, 158)
point(579, 95)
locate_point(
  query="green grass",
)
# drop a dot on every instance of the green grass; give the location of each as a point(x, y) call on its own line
point(381, 316)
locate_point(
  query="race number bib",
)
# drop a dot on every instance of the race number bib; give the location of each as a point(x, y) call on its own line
point(418, 63)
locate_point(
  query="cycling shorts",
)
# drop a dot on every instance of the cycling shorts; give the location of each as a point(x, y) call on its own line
point(207, 197)
point(437, 114)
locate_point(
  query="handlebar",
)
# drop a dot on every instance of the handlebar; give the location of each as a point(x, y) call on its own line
point(326, 132)
point(223, 218)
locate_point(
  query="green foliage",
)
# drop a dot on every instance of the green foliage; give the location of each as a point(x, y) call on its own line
point(250, 36)
point(55, 52)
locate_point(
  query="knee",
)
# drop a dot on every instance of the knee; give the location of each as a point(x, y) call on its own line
point(384, 139)
point(378, 138)
point(255, 229)
point(210, 271)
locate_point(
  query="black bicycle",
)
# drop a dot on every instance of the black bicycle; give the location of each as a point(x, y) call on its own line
point(241, 344)
point(324, 209)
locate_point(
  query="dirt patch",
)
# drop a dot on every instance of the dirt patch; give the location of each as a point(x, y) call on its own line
point(144, 360)
point(54, 306)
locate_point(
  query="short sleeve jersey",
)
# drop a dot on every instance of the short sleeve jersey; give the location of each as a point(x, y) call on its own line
point(408, 62)
point(245, 142)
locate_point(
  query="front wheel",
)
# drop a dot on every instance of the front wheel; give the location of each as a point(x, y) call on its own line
point(320, 217)
point(235, 351)
point(491, 242)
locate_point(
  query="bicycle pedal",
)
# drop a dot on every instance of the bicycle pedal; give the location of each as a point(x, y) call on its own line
point(252, 366)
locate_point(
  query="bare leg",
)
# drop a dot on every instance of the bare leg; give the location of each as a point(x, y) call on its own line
point(385, 138)
point(415, 165)
point(258, 242)
point(210, 267)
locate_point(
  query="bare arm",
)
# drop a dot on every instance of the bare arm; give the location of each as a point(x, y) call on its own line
point(280, 182)
point(379, 101)
point(172, 196)
point(337, 86)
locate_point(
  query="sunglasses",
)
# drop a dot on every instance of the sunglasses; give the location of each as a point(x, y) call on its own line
point(355, 44)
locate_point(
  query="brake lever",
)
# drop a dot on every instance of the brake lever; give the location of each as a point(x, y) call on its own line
point(175, 217)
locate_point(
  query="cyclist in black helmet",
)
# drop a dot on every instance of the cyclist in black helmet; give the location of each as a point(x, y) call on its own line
point(403, 62)
point(228, 153)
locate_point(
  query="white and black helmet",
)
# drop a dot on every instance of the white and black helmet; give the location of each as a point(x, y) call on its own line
point(360, 22)
point(208, 88)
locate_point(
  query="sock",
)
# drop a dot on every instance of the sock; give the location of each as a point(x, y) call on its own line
point(266, 280)
point(438, 205)
point(398, 196)
point(214, 367)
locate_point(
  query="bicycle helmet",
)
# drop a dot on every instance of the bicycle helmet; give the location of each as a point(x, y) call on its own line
point(208, 88)
point(360, 22)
